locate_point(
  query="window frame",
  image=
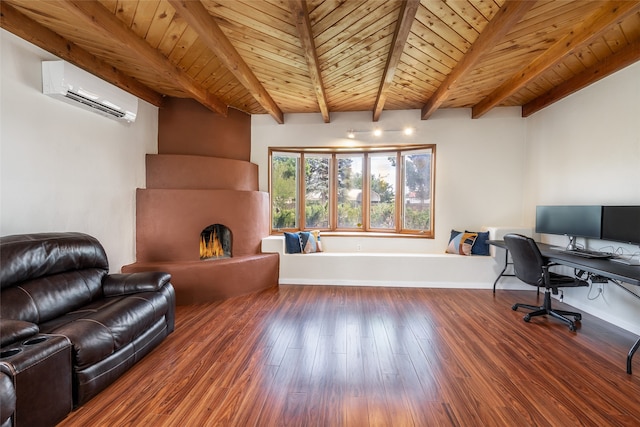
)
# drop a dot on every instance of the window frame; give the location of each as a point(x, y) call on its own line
point(334, 152)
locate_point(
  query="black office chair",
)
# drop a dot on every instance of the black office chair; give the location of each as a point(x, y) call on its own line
point(532, 268)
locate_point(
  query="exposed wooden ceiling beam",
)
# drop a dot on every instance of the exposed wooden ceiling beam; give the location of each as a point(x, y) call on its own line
point(29, 30)
point(199, 19)
point(95, 15)
point(623, 58)
point(509, 14)
point(586, 31)
point(408, 12)
point(301, 16)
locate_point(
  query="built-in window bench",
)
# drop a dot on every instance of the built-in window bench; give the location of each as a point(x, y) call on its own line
point(397, 269)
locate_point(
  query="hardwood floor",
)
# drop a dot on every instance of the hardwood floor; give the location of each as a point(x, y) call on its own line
point(347, 356)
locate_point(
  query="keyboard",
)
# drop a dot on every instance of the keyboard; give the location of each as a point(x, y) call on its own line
point(585, 253)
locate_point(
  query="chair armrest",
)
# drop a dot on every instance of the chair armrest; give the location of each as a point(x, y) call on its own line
point(132, 283)
point(12, 330)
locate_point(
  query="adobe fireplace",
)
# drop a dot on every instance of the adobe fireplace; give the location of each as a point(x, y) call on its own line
point(201, 188)
point(215, 242)
point(186, 213)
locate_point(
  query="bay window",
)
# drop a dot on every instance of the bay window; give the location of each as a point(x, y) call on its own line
point(377, 189)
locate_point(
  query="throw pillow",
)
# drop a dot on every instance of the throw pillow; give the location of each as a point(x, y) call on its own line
point(308, 242)
point(292, 243)
point(480, 247)
point(316, 234)
point(461, 243)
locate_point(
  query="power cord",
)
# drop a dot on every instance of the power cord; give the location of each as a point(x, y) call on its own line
point(600, 281)
point(619, 251)
point(600, 290)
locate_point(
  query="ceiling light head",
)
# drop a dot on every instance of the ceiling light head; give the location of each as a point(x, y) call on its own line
point(351, 134)
point(408, 131)
point(377, 132)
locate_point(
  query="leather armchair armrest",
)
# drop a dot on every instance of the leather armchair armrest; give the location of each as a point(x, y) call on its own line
point(132, 283)
point(12, 330)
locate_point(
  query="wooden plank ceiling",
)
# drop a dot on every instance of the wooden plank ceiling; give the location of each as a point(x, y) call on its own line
point(295, 56)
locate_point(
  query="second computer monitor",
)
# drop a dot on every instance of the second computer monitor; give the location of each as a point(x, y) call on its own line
point(621, 224)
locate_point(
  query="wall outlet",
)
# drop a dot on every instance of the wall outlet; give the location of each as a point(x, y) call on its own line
point(358, 247)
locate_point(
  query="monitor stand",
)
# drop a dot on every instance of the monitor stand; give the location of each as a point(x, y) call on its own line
point(572, 243)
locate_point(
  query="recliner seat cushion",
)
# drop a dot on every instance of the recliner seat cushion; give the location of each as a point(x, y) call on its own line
point(105, 326)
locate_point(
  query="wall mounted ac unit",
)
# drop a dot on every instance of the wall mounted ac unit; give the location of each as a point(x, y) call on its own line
point(75, 86)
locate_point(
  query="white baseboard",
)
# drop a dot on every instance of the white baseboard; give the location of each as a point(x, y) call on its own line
point(404, 284)
point(604, 315)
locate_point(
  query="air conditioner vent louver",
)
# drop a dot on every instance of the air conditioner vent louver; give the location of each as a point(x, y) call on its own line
point(74, 86)
point(91, 103)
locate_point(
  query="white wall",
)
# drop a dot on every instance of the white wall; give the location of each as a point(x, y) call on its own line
point(64, 168)
point(585, 149)
point(479, 176)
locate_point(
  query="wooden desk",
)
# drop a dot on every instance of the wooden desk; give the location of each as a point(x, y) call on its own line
point(615, 272)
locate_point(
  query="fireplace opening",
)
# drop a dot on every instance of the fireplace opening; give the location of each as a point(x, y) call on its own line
point(215, 242)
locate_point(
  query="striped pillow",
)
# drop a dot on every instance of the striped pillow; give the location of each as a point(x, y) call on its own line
point(461, 243)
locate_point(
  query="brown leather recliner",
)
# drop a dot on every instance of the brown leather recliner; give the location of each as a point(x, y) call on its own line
point(59, 306)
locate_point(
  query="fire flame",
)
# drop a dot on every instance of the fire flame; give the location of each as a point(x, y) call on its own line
point(212, 247)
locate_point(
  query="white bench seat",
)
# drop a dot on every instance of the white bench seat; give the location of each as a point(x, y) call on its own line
point(439, 270)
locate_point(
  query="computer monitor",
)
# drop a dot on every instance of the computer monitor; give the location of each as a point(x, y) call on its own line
point(573, 221)
point(621, 224)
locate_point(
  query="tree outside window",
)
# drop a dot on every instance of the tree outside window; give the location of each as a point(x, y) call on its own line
point(284, 190)
point(417, 191)
point(382, 195)
point(350, 191)
point(316, 199)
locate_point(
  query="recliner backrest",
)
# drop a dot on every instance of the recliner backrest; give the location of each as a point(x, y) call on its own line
point(45, 275)
point(528, 262)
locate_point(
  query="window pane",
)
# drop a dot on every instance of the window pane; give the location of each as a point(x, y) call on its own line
point(284, 190)
point(382, 199)
point(350, 191)
point(316, 191)
point(417, 191)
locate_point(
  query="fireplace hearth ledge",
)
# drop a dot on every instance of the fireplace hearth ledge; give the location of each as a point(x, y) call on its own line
point(203, 281)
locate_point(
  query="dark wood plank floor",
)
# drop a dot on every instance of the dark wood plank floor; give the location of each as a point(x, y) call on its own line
point(347, 356)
